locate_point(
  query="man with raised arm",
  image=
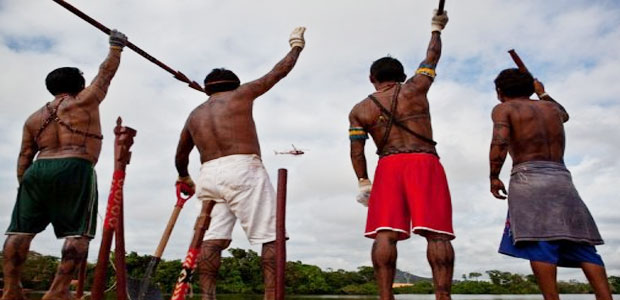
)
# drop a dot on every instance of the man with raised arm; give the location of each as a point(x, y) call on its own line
point(410, 192)
point(232, 174)
point(60, 186)
point(548, 223)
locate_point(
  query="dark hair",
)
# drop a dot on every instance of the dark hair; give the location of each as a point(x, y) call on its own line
point(221, 80)
point(65, 80)
point(387, 69)
point(514, 83)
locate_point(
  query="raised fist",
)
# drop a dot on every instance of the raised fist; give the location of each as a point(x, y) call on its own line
point(438, 23)
point(117, 39)
point(297, 38)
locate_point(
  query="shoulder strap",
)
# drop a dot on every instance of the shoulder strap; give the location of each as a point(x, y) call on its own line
point(389, 114)
point(393, 120)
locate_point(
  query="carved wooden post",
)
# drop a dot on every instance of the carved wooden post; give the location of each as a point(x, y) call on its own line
point(114, 217)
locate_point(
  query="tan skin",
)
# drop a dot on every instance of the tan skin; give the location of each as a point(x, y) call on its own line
point(533, 130)
point(413, 110)
point(81, 111)
point(221, 126)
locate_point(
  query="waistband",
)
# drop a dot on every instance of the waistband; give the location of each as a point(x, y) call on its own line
point(403, 155)
point(51, 160)
point(538, 165)
point(231, 160)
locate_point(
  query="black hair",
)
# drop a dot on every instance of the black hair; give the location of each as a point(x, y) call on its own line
point(514, 83)
point(65, 80)
point(221, 80)
point(387, 69)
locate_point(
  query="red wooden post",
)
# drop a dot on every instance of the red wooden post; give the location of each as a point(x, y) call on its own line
point(113, 222)
point(281, 234)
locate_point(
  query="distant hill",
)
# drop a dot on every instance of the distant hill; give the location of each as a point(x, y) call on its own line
point(405, 277)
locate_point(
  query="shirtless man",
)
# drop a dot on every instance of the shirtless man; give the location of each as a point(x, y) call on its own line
point(548, 223)
point(232, 174)
point(410, 192)
point(60, 187)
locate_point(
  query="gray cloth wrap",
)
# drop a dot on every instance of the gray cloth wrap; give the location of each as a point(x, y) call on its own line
point(544, 205)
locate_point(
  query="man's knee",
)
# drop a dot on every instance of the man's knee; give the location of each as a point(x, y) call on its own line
point(75, 248)
point(215, 245)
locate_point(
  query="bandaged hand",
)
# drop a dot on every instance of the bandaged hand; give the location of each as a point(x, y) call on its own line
point(438, 23)
point(117, 39)
point(364, 194)
point(296, 38)
point(186, 185)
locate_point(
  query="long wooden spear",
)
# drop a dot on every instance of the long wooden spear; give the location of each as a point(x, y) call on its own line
point(442, 3)
point(177, 74)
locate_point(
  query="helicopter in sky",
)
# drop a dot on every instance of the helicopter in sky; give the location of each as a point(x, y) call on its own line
point(294, 151)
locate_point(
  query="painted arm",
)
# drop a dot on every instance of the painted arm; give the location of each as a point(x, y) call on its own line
point(27, 153)
point(358, 143)
point(185, 146)
point(98, 88)
point(254, 89)
point(425, 74)
point(539, 88)
point(499, 149)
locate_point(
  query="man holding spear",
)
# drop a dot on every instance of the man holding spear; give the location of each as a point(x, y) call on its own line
point(60, 187)
point(548, 223)
point(410, 192)
point(232, 174)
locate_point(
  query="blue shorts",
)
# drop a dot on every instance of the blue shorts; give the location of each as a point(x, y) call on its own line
point(561, 253)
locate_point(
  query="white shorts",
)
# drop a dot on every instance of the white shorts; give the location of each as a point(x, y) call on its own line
point(240, 186)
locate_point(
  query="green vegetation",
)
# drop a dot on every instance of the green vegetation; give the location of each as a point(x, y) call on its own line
point(241, 273)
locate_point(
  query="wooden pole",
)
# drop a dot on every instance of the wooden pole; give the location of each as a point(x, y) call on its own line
point(281, 234)
point(189, 265)
point(440, 10)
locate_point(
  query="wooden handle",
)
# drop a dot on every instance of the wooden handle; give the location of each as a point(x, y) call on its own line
point(517, 60)
point(167, 232)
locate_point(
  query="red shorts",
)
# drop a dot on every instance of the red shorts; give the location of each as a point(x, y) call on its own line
point(410, 193)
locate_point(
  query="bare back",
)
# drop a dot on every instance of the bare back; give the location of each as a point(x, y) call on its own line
point(412, 110)
point(536, 129)
point(224, 125)
point(69, 126)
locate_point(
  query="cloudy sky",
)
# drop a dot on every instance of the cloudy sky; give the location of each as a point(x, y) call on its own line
point(573, 46)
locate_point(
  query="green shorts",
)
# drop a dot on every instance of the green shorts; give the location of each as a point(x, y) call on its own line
point(61, 191)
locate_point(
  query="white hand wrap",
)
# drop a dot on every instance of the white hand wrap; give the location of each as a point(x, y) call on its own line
point(438, 23)
point(365, 187)
point(297, 37)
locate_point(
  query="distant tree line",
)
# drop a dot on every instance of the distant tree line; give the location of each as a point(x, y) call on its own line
point(241, 273)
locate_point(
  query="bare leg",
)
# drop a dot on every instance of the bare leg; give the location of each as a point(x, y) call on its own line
point(73, 252)
point(15, 252)
point(268, 261)
point(440, 255)
point(209, 264)
point(546, 274)
point(598, 280)
point(384, 255)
